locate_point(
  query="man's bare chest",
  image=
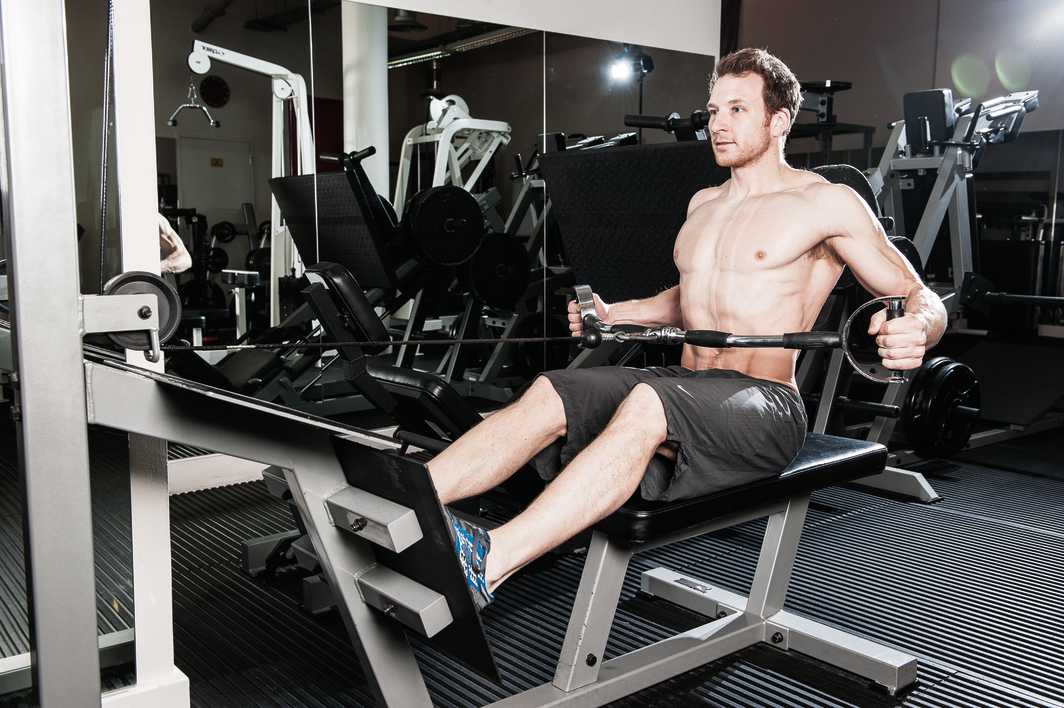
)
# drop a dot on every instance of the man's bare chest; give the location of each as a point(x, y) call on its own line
point(765, 235)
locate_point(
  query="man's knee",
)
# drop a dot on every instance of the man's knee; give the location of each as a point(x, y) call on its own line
point(542, 399)
point(643, 412)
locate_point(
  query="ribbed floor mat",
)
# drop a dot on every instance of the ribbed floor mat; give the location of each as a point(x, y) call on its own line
point(971, 585)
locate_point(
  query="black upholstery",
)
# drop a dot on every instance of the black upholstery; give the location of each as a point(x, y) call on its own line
point(360, 313)
point(437, 399)
point(333, 228)
point(852, 178)
point(825, 460)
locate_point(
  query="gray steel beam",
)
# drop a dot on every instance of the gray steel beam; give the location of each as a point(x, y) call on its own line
point(156, 405)
point(53, 438)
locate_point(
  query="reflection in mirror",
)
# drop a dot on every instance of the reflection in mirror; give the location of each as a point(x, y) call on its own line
point(631, 120)
point(424, 127)
point(333, 171)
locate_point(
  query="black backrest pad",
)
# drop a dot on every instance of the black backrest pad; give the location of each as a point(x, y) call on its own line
point(341, 236)
point(351, 301)
point(619, 211)
point(852, 178)
point(823, 461)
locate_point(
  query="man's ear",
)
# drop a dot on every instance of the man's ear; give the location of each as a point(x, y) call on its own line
point(781, 122)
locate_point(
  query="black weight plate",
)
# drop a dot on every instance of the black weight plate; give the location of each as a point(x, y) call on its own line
point(217, 260)
point(931, 424)
point(499, 272)
point(389, 210)
point(137, 282)
point(258, 259)
point(4, 306)
point(528, 358)
point(224, 231)
point(908, 249)
point(445, 225)
point(915, 399)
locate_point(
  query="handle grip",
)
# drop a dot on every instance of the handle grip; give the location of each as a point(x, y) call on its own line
point(706, 338)
point(641, 121)
point(360, 155)
point(812, 340)
point(896, 309)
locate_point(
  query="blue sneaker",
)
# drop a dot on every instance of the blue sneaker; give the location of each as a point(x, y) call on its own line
point(471, 545)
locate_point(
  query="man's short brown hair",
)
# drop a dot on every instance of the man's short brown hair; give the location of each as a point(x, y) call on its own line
point(782, 90)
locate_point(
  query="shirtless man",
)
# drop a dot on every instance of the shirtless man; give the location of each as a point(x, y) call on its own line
point(173, 256)
point(758, 255)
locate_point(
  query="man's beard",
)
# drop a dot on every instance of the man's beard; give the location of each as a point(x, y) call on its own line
point(740, 157)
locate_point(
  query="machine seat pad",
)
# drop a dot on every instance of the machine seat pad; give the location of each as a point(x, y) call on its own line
point(439, 401)
point(823, 461)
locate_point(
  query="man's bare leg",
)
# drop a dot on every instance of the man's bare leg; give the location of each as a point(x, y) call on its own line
point(499, 445)
point(595, 484)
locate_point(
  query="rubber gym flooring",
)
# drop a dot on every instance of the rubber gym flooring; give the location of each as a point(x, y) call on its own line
point(971, 585)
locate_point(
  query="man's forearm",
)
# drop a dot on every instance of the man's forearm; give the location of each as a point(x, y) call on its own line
point(922, 302)
point(661, 310)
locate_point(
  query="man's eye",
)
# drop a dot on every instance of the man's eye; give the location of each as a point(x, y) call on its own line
point(737, 108)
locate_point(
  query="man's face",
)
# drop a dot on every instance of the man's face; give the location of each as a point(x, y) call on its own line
point(739, 125)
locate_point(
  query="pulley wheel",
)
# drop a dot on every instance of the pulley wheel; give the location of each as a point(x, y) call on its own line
point(445, 225)
point(499, 272)
point(137, 282)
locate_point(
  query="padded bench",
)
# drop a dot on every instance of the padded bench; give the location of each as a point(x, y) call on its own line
point(824, 460)
point(390, 503)
point(735, 621)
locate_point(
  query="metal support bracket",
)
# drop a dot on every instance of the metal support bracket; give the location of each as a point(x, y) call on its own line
point(123, 313)
point(375, 519)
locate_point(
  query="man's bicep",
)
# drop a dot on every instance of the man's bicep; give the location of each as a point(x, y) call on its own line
point(863, 246)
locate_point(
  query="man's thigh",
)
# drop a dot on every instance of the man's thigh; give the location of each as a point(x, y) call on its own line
point(590, 398)
point(728, 429)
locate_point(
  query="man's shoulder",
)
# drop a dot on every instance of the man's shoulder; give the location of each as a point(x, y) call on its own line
point(703, 196)
point(822, 193)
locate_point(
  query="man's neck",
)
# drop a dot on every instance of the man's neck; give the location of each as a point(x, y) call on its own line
point(760, 176)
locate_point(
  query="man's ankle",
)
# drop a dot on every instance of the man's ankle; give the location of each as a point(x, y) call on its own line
point(495, 563)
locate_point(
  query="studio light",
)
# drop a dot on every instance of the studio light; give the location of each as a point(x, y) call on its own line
point(621, 70)
point(631, 62)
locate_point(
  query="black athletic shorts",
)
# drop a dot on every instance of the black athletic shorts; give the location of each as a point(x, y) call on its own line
point(729, 428)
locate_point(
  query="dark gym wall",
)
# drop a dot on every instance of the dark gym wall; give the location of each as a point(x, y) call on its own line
point(889, 49)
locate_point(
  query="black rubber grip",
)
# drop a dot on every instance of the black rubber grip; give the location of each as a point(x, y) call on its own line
point(638, 121)
point(360, 155)
point(811, 340)
point(706, 338)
